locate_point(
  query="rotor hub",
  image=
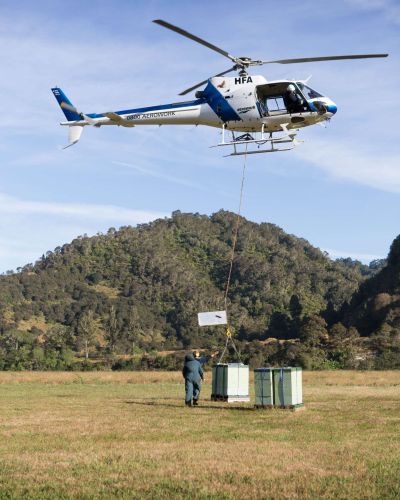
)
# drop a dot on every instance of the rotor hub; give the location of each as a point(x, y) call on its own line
point(243, 62)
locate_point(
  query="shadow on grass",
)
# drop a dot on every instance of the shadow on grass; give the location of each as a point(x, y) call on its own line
point(160, 403)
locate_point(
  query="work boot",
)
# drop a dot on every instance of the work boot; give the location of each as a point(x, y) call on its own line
point(188, 403)
point(195, 403)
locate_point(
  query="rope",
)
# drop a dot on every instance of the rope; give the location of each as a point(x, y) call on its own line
point(228, 282)
point(235, 234)
point(229, 339)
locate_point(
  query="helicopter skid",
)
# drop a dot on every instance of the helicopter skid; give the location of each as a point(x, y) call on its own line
point(259, 142)
point(258, 151)
point(247, 139)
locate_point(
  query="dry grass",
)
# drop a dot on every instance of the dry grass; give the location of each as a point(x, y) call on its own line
point(108, 291)
point(103, 377)
point(128, 435)
point(34, 321)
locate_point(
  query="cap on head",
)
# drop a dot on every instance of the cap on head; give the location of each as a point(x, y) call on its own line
point(291, 88)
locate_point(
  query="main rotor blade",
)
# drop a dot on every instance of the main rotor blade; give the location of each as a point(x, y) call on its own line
point(194, 38)
point(324, 58)
point(205, 81)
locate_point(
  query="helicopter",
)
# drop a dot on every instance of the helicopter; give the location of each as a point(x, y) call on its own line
point(262, 116)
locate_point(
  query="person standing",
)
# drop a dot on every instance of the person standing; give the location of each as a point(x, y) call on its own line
point(193, 375)
point(202, 359)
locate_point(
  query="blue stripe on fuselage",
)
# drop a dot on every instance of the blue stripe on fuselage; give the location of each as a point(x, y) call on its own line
point(332, 108)
point(313, 108)
point(219, 104)
point(161, 107)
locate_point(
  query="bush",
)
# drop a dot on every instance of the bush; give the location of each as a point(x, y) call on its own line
point(388, 360)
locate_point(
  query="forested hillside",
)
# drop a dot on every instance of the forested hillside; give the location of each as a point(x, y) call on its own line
point(138, 290)
point(375, 309)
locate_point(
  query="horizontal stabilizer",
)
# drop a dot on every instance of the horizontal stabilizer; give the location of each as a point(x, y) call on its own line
point(74, 134)
point(118, 119)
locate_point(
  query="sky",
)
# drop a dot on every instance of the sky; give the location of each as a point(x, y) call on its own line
point(340, 190)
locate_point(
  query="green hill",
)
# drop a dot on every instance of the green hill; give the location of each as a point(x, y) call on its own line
point(375, 308)
point(139, 289)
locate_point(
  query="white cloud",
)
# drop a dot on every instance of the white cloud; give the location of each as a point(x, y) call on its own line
point(91, 69)
point(31, 228)
point(389, 8)
point(159, 175)
point(366, 258)
point(18, 249)
point(12, 205)
point(343, 160)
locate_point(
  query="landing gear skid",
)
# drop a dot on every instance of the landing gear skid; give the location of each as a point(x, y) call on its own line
point(240, 143)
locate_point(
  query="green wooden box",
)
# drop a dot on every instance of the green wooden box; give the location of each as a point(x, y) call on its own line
point(278, 386)
point(263, 386)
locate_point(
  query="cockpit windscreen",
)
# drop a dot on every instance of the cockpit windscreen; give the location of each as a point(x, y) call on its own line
point(308, 92)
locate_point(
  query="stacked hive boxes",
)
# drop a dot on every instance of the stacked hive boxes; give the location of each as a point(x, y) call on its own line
point(264, 386)
point(230, 382)
point(278, 386)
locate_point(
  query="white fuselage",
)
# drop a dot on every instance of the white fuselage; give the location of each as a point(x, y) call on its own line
point(234, 103)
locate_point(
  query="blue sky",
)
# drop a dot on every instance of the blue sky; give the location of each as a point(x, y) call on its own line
point(340, 189)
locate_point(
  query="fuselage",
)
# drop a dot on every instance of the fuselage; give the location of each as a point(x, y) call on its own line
point(243, 103)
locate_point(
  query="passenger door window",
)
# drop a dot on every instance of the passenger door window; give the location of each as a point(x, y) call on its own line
point(275, 104)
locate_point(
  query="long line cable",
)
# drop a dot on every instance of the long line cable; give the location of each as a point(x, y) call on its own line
point(232, 258)
point(236, 231)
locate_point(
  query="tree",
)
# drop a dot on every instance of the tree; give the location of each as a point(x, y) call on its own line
point(394, 253)
point(88, 329)
point(57, 338)
point(132, 328)
point(342, 345)
point(313, 332)
point(296, 311)
point(7, 317)
point(111, 326)
point(280, 326)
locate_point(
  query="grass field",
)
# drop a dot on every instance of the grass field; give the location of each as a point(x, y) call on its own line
point(129, 435)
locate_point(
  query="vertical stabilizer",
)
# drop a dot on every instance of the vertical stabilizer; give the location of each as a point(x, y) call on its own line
point(62, 99)
point(74, 134)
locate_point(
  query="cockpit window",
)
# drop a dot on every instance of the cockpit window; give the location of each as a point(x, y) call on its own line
point(308, 92)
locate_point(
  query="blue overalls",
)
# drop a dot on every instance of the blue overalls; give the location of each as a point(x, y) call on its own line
point(193, 374)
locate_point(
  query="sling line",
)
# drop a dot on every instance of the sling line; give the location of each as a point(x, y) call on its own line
point(228, 282)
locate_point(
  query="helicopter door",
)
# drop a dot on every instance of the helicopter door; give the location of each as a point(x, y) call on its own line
point(270, 99)
point(271, 105)
point(275, 105)
point(274, 99)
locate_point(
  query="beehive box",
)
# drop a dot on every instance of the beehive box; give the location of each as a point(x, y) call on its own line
point(288, 386)
point(263, 386)
point(230, 382)
point(278, 386)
